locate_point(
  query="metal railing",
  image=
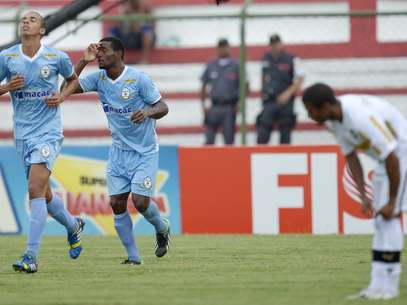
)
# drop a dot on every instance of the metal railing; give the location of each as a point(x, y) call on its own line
point(242, 16)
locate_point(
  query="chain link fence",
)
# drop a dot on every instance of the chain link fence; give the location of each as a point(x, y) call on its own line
point(362, 51)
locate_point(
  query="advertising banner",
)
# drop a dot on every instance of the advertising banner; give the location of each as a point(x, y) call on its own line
point(260, 190)
point(79, 178)
point(271, 190)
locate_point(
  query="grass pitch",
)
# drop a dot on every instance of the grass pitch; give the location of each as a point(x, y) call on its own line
point(200, 269)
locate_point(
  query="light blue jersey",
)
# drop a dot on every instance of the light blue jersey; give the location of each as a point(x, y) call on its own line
point(120, 98)
point(32, 116)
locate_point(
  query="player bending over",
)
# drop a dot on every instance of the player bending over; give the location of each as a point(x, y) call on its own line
point(369, 124)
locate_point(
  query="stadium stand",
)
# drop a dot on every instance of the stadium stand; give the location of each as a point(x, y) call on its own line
point(353, 54)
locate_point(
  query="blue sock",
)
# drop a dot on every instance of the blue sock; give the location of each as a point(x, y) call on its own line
point(152, 214)
point(38, 220)
point(57, 210)
point(124, 228)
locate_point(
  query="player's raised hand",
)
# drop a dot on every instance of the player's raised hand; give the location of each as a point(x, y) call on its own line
point(139, 116)
point(16, 82)
point(55, 100)
point(90, 52)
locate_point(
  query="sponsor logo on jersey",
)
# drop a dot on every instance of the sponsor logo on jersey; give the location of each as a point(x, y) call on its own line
point(31, 94)
point(107, 108)
point(10, 55)
point(51, 55)
point(129, 81)
point(45, 71)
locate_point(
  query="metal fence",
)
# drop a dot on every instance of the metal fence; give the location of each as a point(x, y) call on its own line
point(357, 51)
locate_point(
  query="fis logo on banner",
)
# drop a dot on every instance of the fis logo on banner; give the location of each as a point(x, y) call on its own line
point(82, 184)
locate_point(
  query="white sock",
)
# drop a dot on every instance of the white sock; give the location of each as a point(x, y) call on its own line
point(377, 277)
point(388, 237)
point(392, 278)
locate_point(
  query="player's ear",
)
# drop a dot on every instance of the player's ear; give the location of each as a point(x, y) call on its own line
point(325, 108)
point(42, 31)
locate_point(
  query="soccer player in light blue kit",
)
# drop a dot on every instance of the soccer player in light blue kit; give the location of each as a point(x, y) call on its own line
point(132, 104)
point(32, 70)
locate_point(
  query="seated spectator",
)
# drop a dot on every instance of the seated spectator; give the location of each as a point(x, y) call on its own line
point(137, 35)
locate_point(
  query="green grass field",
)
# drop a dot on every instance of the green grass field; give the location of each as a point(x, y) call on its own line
point(200, 269)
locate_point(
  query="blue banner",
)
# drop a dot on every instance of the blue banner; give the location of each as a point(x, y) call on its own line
point(79, 178)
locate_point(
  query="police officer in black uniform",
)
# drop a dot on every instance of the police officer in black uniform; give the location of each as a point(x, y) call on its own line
point(280, 82)
point(222, 78)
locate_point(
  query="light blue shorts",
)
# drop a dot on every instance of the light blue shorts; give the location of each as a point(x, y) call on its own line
point(38, 150)
point(129, 171)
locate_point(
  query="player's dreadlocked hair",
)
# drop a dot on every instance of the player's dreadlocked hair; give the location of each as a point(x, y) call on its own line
point(117, 44)
point(319, 94)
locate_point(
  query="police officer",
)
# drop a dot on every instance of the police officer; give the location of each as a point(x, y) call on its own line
point(222, 78)
point(280, 81)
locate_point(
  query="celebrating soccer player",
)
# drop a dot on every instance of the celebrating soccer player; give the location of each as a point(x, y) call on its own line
point(32, 71)
point(132, 104)
point(369, 124)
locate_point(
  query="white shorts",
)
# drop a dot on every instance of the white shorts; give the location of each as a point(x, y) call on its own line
point(381, 187)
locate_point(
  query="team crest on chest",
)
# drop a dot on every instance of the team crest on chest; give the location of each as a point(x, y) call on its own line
point(45, 71)
point(125, 93)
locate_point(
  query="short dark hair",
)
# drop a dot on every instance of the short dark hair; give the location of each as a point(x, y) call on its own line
point(117, 44)
point(274, 38)
point(223, 42)
point(319, 94)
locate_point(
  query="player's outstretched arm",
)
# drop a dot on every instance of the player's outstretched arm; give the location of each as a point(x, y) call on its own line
point(356, 169)
point(16, 82)
point(156, 111)
point(88, 57)
point(393, 172)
